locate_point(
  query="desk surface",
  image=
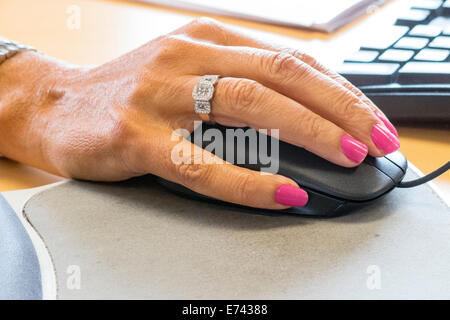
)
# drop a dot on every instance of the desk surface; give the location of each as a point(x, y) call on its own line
point(108, 29)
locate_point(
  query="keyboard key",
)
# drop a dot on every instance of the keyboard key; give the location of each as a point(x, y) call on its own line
point(424, 72)
point(363, 56)
point(440, 42)
point(432, 55)
point(423, 30)
point(446, 8)
point(385, 39)
point(396, 55)
point(368, 73)
point(412, 17)
point(440, 22)
point(426, 4)
point(411, 43)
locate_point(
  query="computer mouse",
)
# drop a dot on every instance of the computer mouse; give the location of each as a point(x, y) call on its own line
point(333, 190)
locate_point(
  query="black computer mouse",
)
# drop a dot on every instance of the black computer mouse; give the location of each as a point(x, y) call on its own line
point(333, 190)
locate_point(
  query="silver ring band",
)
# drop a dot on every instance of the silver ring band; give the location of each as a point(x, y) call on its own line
point(202, 94)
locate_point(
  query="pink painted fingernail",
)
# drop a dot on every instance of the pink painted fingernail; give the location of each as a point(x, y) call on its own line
point(291, 196)
point(384, 139)
point(353, 149)
point(387, 123)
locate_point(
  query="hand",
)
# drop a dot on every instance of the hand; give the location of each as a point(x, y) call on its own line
point(115, 121)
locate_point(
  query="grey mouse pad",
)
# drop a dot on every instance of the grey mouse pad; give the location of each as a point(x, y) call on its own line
point(136, 240)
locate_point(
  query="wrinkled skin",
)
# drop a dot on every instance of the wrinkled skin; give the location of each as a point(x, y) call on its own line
point(115, 121)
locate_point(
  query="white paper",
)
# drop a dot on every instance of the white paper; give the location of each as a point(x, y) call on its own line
point(325, 15)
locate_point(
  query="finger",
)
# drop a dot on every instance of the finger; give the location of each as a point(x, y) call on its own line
point(343, 82)
point(203, 172)
point(294, 78)
point(219, 33)
point(243, 100)
point(339, 79)
point(212, 30)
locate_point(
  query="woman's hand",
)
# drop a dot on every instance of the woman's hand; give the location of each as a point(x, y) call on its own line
point(115, 121)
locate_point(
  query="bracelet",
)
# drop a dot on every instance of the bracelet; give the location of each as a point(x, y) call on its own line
point(10, 48)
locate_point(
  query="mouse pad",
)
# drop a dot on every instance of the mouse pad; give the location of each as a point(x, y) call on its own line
point(136, 240)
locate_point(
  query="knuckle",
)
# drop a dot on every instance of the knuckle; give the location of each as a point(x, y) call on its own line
point(347, 84)
point(246, 188)
point(303, 56)
point(167, 50)
point(282, 63)
point(314, 127)
point(306, 58)
point(346, 104)
point(350, 86)
point(362, 98)
point(205, 27)
point(284, 67)
point(171, 48)
point(204, 22)
point(192, 174)
point(244, 94)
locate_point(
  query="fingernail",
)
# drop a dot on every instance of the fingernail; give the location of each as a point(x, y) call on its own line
point(353, 149)
point(291, 196)
point(384, 139)
point(387, 123)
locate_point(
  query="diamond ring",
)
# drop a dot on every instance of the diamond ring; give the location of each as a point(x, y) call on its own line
point(202, 94)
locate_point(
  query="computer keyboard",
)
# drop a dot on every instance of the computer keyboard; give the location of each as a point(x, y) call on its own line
point(406, 71)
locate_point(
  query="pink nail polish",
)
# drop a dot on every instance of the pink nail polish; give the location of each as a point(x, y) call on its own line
point(387, 123)
point(291, 196)
point(353, 149)
point(384, 139)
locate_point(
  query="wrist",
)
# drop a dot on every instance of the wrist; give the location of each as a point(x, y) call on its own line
point(27, 87)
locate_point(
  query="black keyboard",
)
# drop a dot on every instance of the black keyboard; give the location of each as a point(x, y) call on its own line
point(406, 71)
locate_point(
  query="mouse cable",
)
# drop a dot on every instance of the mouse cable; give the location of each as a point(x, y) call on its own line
point(424, 179)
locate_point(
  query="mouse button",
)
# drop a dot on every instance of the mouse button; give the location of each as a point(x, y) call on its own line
point(361, 183)
point(398, 159)
point(318, 205)
point(387, 167)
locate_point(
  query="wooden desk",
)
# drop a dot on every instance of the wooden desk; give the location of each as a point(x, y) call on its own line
point(108, 29)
